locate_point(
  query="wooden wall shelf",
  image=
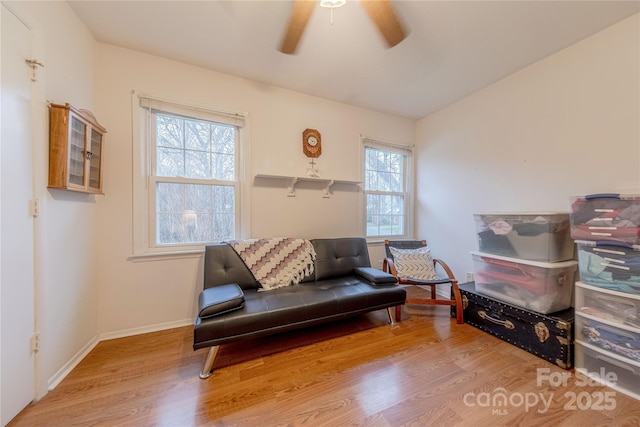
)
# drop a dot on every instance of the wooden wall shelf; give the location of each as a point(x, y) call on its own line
point(293, 180)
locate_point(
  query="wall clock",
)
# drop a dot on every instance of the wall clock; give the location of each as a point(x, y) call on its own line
point(311, 143)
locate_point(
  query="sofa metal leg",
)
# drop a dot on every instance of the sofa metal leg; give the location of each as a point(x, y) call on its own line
point(207, 369)
point(392, 315)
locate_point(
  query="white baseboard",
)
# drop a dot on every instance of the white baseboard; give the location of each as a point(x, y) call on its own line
point(68, 367)
point(446, 294)
point(84, 351)
point(145, 329)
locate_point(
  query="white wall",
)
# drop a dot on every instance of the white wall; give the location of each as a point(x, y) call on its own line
point(567, 125)
point(65, 241)
point(138, 296)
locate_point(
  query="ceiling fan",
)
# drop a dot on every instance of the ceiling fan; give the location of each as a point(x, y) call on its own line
point(380, 11)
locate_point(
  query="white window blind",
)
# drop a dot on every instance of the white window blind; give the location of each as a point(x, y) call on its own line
point(195, 112)
point(405, 150)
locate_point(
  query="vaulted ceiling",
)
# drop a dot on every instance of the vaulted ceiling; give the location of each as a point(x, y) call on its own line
point(453, 48)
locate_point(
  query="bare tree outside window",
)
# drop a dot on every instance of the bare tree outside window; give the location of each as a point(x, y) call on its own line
point(385, 192)
point(195, 180)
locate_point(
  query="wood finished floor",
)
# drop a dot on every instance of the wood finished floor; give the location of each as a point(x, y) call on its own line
point(357, 372)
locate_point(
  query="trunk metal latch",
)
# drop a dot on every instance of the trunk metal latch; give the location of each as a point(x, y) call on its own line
point(542, 331)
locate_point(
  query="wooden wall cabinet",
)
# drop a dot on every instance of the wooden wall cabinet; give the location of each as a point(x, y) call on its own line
point(75, 149)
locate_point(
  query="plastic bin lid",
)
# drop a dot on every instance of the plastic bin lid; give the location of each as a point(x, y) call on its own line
point(608, 243)
point(602, 290)
point(607, 196)
point(559, 264)
point(530, 213)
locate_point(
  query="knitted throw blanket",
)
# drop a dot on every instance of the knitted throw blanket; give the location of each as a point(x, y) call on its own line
point(276, 262)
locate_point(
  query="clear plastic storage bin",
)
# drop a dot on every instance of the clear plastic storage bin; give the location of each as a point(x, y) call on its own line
point(542, 287)
point(535, 236)
point(612, 217)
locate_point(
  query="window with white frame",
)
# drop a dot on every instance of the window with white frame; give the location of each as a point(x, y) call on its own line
point(387, 189)
point(186, 177)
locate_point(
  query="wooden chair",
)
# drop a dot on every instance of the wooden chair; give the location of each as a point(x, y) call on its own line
point(389, 266)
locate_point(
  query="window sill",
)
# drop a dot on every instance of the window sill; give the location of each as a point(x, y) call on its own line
point(377, 241)
point(161, 256)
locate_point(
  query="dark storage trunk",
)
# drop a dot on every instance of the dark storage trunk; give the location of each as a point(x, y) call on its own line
point(548, 336)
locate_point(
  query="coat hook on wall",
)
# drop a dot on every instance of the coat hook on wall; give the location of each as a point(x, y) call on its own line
point(33, 64)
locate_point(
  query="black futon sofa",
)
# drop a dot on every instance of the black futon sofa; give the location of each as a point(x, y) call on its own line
point(343, 284)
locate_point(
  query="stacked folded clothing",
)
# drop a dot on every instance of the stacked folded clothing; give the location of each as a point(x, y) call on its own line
point(620, 341)
point(610, 265)
point(611, 217)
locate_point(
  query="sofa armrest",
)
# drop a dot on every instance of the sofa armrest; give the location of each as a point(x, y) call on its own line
point(221, 299)
point(377, 277)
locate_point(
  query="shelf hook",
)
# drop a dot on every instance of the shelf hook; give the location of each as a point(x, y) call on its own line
point(34, 64)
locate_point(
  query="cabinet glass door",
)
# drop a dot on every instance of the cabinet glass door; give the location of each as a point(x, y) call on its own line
point(94, 155)
point(76, 151)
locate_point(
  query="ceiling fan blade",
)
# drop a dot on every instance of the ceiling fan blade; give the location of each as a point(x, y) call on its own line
point(382, 14)
point(300, 15)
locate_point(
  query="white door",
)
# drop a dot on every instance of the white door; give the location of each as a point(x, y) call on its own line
point(17, 373)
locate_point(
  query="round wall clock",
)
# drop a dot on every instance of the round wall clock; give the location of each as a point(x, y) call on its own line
point(311, 143)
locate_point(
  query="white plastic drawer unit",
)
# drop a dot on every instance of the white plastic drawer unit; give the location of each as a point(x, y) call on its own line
point(608, 217)
point(534, 236)
point(609, 369)
point(542, 287)
point(613, 338)
point(610, 265)
point(617, 308)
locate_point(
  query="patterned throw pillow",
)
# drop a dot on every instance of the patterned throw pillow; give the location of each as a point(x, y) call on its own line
point(414, 263)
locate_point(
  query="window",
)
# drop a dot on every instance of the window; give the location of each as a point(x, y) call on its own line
point(387, 184)
point(187, 188)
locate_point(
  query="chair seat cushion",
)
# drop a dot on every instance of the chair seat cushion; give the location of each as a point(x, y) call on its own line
point(425, 282)
point(414, 263)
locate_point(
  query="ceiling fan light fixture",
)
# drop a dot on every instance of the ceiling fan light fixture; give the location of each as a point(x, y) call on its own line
point(332, 3)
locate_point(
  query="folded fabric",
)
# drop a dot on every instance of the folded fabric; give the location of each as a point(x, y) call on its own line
point(490, 242)
point(500, 227)
point(602, 272)
point(621, 342)
point(625, 316)
point(631, 214)
point(276, 262)
point(530, 229)
point(584, 210)
point(602, 232)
